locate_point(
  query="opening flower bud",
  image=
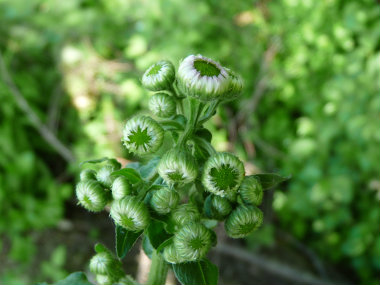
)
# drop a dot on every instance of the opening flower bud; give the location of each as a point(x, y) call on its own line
point(243, 220)
point(202, 78)
point(121, 188)
point(235, 86)
point(177, 167)
point(184, 214)
point(216, 207)
point(192, 241)
point(142, 135)
point(91, 195)
point(171, 255)
point(159, 76)
point(104, 175)
point(164, 200)
point(251, 191)
point(87, 174)
point(223, 174)
point(162, 105)
point(130, 213)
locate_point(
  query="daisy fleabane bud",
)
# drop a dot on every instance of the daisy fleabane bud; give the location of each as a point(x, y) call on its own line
point(192, 241)
point(216, 207)
point(164, 200)
point(171, 255)
point(235, 86)
point(177, 167)
point(142, 135)
point(121, 188)
point(162, 105)
point(223, 174)
point(91, 195)
point(130, 213)
point(243, 220)
point(184, 214)
point(87, 174)
point(202, 78)
point(104, 175)
point(159, 76)
point(251, 191)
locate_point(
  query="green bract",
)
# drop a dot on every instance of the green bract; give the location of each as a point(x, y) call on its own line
point(177, 167)
point(243, 220)
point(91, 195)
point(223, 174)
point(170, 254)
point(87, 174)
point(216, 207)
point(104, 175)
point(130, 213)
point(251, 191)
point(202, 78)
point(159, 76)
point(162, 105)
point(184, 214)
point(102, 263)
point(142, 135)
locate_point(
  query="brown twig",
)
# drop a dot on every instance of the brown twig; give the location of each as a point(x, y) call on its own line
point(44, 131)
point(273, 267)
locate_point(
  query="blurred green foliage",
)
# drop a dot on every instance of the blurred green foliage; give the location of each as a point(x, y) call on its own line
point(310, 107)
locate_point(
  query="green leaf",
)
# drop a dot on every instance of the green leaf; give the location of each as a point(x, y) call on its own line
point(131, 174)
point(99, 248)
point(165, 244)
point(93, 161)
point(204, 133)
point(156, 233)
point(147, 247)
point(124, 240)
point(196, 273)
point(77, 278)
point(169, 125)
point(269, 180)
point(148, 170)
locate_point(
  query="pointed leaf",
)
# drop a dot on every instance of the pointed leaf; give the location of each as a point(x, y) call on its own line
point(196, 273)
point(131, 174)
point(77, 278)
point(269, 180)
point(125, 240)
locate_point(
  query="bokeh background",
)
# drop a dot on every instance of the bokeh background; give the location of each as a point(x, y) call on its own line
point(70, 76)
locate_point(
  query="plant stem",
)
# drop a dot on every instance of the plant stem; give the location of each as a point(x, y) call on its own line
point(158, 270)
point(194, 111)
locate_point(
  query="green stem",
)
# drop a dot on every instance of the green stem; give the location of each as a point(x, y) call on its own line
point(209, 112)
point(194, 110)
point(158, 270)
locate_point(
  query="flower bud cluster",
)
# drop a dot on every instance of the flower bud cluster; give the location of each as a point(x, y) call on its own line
point(107, 269)
point(192, 187)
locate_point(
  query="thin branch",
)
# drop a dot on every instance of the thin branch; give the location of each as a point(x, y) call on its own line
point(273, 267)
point(44, 131)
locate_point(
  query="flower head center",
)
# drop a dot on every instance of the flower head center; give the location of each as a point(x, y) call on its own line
point(175, 176)
point(154, 70)
point(206, 68)
point(225, 177)
point(196, 243)
point(140, 137)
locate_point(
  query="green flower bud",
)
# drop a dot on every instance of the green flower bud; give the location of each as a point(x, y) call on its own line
point(243, 220)
point(251, 191)
point(202, 78)
point(105, 279)
point(104, 175)
point(142, 135)
point(87, 174)
point(223, 174)
point(159, 76)
point(91, 195)
point(216, 207)
point(235, 86)
point(121, 188)
point(185, 214)
point(177, 167)
point(102, 263)
point(192, 241)
point(130, 213)
point(164, 200)
point(162, 105)
point(171, 255)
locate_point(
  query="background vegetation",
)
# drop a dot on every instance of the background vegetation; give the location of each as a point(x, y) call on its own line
point(310, 108)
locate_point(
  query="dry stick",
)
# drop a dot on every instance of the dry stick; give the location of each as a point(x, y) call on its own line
point(273, 267)
point(44, 131)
